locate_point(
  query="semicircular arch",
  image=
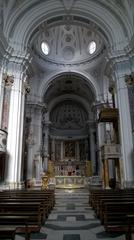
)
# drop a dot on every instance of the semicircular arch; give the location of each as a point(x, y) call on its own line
point(32, 18)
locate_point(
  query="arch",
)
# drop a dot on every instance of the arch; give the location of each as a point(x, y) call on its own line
point(57, 100)
point(114, 24)
point(86, 77)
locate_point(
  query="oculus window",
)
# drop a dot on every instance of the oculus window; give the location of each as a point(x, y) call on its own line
point(45, 48)
point(92, 47)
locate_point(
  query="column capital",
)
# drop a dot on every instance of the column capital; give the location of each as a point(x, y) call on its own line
point(129, 79)
point(8, 79)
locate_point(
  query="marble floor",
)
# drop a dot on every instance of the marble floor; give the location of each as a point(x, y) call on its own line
point(73, 219)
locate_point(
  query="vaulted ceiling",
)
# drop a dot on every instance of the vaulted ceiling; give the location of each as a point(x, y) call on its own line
point(67, 27)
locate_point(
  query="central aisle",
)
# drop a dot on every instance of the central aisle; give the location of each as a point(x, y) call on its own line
point(73, 219)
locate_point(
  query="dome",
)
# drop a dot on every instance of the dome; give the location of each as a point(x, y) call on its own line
point(68, 43)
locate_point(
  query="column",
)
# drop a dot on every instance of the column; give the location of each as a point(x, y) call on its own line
point(2, 84)
point(35, 134)
point(106, 173)
point(62, 148)
point(30, 161)
point(53, 149)
point(77, 151)
point(127, 151)
point(46, 144)
point(92, 150)
point(37, 168)
point(15, 125)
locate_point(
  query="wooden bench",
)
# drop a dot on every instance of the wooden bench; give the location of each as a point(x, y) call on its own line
point(21, 211)
point(115, 215)
point(7, 232)
point(112, 207)
point(130, 226)
point(46, 197)
point(17, 224)
point(117, 199)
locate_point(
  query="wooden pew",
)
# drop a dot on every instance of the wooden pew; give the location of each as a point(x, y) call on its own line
point(7, 232)
point(130, 226)
point(22, 224)
point(11, 212)
point(115, 215)
point(23, 204)
point(112, 207)
point(110, 199)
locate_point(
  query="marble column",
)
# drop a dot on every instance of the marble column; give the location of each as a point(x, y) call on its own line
point(15, 126)
point(37, 168)
point(2, 84)
point(127, 151)
point(53, 149)
point(30, 161)
point(35, 114)
point(92, 150)
point(46, 145)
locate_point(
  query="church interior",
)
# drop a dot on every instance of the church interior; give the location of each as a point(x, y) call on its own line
point(66, 119)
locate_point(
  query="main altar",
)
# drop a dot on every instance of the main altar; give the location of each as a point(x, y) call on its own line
point(70, 168)
point(69, 182)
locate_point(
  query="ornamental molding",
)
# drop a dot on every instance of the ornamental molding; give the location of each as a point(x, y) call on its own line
point(37, 105)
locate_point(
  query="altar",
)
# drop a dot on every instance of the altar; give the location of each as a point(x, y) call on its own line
point(70, 182)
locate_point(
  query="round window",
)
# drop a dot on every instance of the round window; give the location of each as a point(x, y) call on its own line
point(45, 48)
point(92, 47)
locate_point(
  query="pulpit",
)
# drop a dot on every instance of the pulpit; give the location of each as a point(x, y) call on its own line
point(110, 152)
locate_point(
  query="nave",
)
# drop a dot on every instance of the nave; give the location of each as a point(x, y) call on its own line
point(73, 219)
point(67, 214)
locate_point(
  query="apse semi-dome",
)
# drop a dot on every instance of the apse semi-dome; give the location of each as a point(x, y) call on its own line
point(68, 43)
point(68, 115)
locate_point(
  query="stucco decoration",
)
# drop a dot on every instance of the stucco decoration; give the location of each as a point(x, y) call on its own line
point(68, 43)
